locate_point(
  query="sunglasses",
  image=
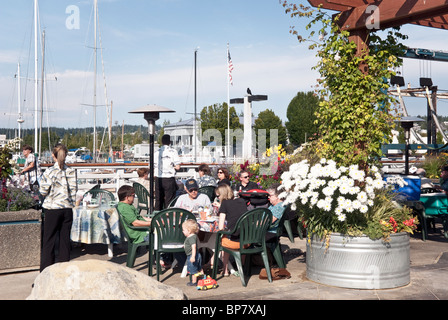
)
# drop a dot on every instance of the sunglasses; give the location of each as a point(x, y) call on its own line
point(245, 177)
point(193, 190)
point(220, 172)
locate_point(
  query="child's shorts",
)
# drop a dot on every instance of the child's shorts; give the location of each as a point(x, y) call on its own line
point(196, 266)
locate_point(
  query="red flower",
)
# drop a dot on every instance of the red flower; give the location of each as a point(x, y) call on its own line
point(410, 222)
point(394, 223)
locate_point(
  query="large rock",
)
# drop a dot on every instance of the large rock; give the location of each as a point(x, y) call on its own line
point(99, 280)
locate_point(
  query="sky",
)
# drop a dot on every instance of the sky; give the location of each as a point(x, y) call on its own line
point(148, 58)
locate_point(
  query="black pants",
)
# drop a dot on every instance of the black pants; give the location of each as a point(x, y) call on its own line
point(165, 191)
point(56, 222)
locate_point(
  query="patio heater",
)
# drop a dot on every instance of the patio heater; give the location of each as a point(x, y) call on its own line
point(151, 114)
point(407, 123)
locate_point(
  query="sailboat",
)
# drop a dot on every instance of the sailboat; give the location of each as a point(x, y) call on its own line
point(94, 104)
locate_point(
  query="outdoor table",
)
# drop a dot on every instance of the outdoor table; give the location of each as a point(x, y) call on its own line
point(435, 206)
point(96, 224)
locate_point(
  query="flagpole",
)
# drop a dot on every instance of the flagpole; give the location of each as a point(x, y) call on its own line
point(228, 104)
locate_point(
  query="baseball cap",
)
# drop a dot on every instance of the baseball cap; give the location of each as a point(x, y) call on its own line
point(191, 184)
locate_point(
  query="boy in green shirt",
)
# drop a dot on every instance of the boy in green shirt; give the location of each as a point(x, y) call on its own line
point(126, 195)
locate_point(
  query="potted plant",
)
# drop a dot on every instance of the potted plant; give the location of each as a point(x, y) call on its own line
point(358, 236)
point(20, 224)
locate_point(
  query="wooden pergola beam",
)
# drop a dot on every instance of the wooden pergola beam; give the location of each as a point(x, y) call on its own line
point(393, 13)
point(440, 22)
point(331, 5)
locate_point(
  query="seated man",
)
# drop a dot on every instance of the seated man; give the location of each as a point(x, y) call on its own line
point(192, 200)
point(245, 184)
point(443, 187)
point(126, 209)
point(276, 208)
point(126, 195)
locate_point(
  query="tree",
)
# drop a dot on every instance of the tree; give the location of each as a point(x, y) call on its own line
point(301, 117)
point(215, 117)
point(269, 120)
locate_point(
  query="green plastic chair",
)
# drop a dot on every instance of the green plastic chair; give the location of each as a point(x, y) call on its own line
point(100, 194)
point(132, 246)
point(287, 226)
point(209, 191)
point(252, 227)
point(173, 202)
point(143, 197)
point(166, 229)
point(274, 243)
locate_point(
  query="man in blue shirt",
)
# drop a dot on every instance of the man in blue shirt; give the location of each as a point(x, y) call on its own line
point(276, 206)
point(443, 180)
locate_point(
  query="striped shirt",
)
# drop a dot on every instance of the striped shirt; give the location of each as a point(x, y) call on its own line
point(53, 187)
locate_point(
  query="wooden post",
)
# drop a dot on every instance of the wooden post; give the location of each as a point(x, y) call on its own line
point(361, 38)
point(434, 105)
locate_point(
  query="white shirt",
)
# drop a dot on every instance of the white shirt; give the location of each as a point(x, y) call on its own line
point(32, 173)
point(165, 159)
point(185, 202)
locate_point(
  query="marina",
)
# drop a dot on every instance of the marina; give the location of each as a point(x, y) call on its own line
point(141, 154)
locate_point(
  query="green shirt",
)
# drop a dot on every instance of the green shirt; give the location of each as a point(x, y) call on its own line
point(130, 214)
point(189, 242)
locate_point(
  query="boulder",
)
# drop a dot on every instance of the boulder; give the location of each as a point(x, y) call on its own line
point(99, 280)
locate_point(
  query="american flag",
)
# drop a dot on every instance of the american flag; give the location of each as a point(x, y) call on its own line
point(230, 64)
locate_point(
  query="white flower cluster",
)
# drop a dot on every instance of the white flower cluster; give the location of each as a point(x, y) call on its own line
point(331, 188)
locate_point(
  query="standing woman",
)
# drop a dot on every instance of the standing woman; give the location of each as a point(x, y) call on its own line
point(58, 186)
point(31, 169)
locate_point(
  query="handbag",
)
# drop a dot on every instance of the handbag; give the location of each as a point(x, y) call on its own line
point(276, 274)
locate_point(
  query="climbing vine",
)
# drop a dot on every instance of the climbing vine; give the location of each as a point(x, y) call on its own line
point(356, 114)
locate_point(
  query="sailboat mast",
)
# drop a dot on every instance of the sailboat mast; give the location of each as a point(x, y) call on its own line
point(94, 80)
point(42, 92)
point(35, 75)
point(227, 149)
point(19, 106)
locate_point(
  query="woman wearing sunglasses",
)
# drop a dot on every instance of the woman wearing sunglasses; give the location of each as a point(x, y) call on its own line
point(223, 176)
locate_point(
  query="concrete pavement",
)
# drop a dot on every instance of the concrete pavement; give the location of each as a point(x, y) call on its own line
point(429, 276)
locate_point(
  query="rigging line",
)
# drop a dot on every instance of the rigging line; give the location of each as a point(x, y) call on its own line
point(84, 88)
point(105, 88)
point(25, 106)
point(434, 115)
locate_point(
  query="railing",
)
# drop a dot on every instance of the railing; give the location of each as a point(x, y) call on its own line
point(112, 176)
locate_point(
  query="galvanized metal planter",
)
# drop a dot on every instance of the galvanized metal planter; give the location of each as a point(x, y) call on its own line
point(359, 262)
point(20, 240)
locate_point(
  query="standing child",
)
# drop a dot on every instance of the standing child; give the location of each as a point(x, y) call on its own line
point(190, 229)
